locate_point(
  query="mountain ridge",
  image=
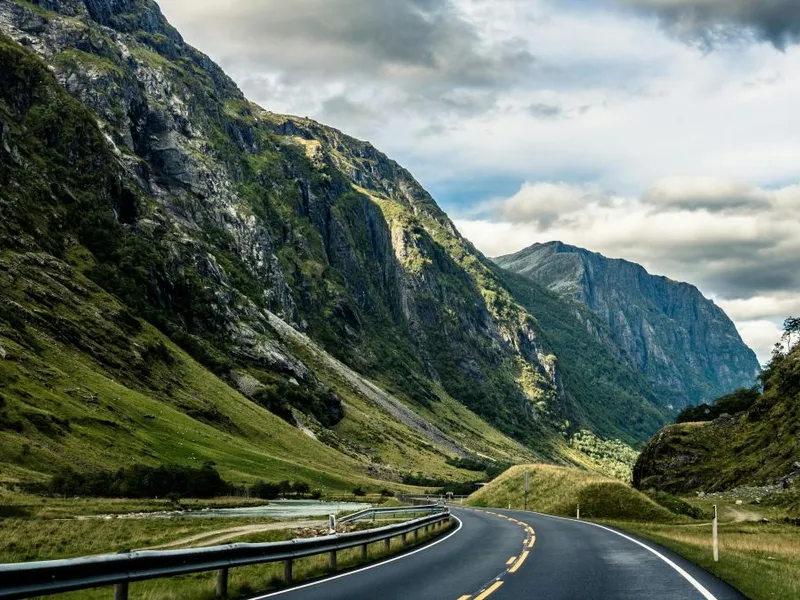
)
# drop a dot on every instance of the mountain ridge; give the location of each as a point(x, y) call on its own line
point(684, 343)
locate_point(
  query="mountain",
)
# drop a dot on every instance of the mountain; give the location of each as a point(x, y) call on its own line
point(684, 344)
point(188, 277)
point(152, 214)
point(755, 447)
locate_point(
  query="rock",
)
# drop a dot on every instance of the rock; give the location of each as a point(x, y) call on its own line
point(738, 503)
point(3, 353)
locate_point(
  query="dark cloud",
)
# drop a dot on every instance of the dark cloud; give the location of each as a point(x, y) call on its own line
point(716, 196)
point(424, 47)
point(547, 112)
point(710, 22)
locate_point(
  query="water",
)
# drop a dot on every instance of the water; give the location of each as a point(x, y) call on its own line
point(276, 509)
point(282, 509)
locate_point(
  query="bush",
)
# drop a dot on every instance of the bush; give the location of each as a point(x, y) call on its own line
point(676, 505)
point(734, 403)
point(139, 481)
point(265, 490)
point(359, 492)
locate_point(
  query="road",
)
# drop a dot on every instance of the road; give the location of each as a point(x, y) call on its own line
point(512, 555)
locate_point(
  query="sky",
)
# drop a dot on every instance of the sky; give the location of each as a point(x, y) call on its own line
point(665, 132)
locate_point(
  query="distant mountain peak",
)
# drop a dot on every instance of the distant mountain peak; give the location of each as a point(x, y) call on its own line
point(684, 343)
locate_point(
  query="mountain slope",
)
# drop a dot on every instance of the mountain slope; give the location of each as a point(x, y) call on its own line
point(226, 211)
point(86, 383)
point(685, 345)
point(608, 393)
point(757, 447)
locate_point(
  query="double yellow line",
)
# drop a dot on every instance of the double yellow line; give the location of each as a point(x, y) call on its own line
point(514, 561)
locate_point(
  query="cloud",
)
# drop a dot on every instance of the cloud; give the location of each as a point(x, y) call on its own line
point(710, 22)
point(425, 50)
point(761, 336)
point(546, 111)
point(544, 203)
point(736, 254)
point(710, 194)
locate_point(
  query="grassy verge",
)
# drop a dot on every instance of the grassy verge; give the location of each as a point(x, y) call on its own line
point(44, 539)
point(250, 580)
point(761, 560)
point(559, 490)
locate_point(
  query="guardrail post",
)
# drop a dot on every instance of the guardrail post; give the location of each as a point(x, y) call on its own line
point(364, 552)
point(121, 591)
point(332, 560)
point(222, 583)
point(416, 535)
point(287, 571)
point(387, 543)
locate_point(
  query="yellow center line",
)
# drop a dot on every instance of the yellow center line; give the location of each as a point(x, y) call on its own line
point(519, 562)
point(531, 542)
point(489, 591)
point(466, 597)
point(511, 560)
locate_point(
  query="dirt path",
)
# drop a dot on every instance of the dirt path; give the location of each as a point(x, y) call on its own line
point(741, 516)
point(209, 538)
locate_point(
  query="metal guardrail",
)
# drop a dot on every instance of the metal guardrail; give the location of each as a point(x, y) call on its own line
point(371, 513)
point(26, 580)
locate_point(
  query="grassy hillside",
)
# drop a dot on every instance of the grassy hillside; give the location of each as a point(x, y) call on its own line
point(88, 382)
point(756, 447)
point(559, 490)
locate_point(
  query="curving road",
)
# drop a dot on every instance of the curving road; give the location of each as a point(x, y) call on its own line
point(512, 555)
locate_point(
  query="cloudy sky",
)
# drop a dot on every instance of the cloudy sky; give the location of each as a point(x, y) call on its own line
point(666, 132)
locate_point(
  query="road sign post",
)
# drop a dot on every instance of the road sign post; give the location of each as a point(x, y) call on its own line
point(331, 524)
point(714, 535)
point(527, 486)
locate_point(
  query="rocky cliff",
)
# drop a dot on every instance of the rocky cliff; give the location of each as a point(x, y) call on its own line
point(685, 345)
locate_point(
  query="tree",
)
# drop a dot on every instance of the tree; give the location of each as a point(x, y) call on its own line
point(301, 488)
point(359, 492)
point(791, 332)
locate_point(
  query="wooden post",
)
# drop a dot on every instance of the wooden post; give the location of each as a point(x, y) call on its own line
point(287, 571)
point(387, 544)
point(364, 552)
point(714, 533)
point(222, 583)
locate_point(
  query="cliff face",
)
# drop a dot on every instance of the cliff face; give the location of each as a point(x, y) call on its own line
point(211, 215)
point(683, 343)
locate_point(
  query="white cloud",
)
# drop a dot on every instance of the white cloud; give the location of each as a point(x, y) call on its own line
point(738, 243)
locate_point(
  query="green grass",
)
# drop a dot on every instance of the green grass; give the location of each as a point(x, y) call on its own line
point(23, 540)
point(249, 580)
point(559, 491)
point(760, 560)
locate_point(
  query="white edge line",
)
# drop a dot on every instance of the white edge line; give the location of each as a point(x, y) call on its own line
point(696, 584)
point(367, 568)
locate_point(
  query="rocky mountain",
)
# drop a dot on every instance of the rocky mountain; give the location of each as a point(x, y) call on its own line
point(188, 277)
point(685, 345)
point(756, 447)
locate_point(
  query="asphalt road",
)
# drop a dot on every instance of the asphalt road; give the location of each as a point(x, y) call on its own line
point(510, 555)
